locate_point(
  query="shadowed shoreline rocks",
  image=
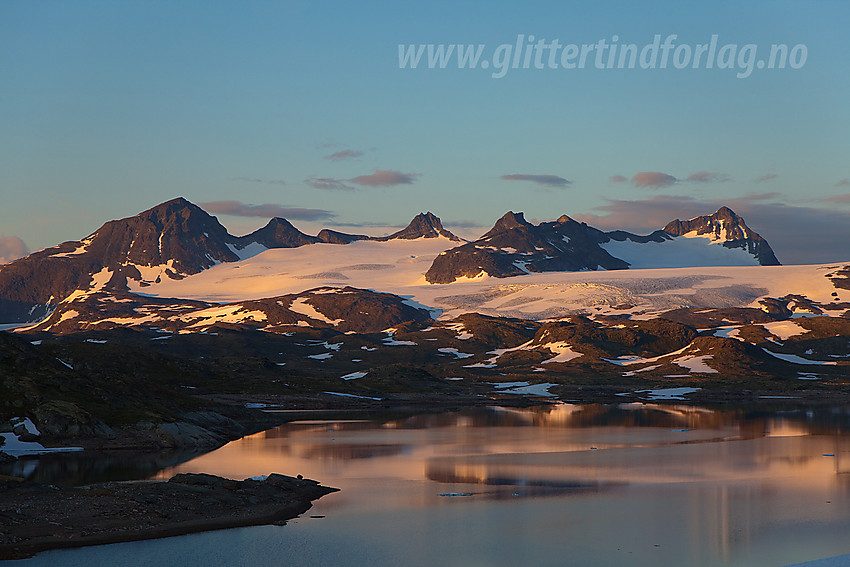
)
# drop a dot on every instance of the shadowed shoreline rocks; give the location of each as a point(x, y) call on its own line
point(37, 517)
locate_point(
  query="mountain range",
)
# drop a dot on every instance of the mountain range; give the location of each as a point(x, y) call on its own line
point(156, 315)
point(178, 239)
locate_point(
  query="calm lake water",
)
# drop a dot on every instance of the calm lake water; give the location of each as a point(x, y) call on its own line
point(634, 484)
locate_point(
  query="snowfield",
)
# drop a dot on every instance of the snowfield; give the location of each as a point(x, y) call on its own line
point(398, 267)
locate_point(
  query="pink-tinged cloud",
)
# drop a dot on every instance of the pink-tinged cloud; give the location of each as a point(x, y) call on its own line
point(707, 177)
point(844, 198)
point(548, 180)
point(652, 179)
point(385, 178)
point(12, 248)
point(760, 196)
point(258, 180)
point(766, 177)
point(617, 179)
point(267, 210)
point(328, 184)
point(843, 183)
point(344, 154)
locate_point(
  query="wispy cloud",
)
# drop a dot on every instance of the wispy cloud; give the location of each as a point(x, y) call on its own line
point(540, 179)
point(344, 154)
point(798, 235)
point(258, 180)
point(618, 179)
point(328, 184)
point(385, 178)
point(653, 179)
point(766, 177)
point(12, 248)
point(707, 177)
point(843, 198)
point(843, 182)
point(267, 210)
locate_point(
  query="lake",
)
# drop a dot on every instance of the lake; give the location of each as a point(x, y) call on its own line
point(630, 484)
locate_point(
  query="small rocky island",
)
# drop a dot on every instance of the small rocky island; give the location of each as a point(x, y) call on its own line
point(36, 517)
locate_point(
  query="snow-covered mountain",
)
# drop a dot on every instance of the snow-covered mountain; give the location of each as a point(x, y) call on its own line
point(515, 247)
point(169, 242)
point(168, 249)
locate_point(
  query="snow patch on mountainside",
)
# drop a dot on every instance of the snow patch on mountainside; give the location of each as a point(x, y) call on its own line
point(301, 307)
point(248, 251)
point(686, 251)
point(223, 314)
point(563, 352)
point(784, 330)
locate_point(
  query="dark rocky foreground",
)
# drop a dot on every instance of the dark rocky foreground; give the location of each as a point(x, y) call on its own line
point(36, 517)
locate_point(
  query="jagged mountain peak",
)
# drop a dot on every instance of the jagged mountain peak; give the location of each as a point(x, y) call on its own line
point(279, 233)
point(508, 221)
point(724, 224)
point(727, 228)
point(423, 225)
point(176, 231)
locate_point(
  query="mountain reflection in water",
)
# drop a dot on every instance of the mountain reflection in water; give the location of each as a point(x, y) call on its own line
point(628, 484)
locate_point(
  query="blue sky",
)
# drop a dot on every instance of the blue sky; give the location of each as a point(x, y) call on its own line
point(108, 108)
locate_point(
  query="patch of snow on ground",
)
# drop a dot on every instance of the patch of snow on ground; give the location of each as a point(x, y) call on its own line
point(455, 352)
point(793, 358)
point(79, 250)
point(524, 388)
point(223, 314)
point(784, 330)
point(29, 426)
point(563, 352)
point(696, 363)
point(12, 445)
point(462, 333)
point(491, 362)
point(354, 375)
point(630, 360)
point(327, 345)
point(353, 396)
point(667, 393)
point(323, 356)
point(730, 332)
point(390, 340)
point(301, 307)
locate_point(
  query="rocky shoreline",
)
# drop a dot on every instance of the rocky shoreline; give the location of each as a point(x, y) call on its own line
point(37, 517)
